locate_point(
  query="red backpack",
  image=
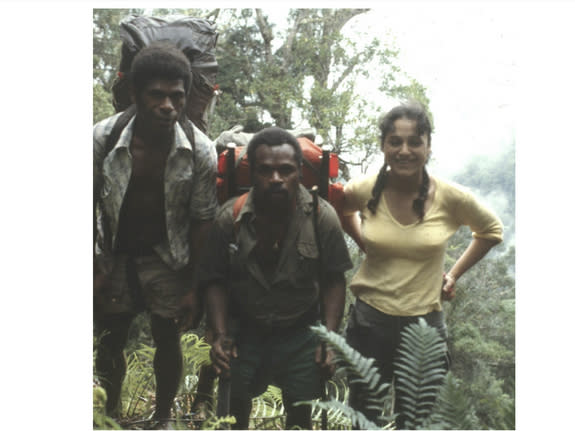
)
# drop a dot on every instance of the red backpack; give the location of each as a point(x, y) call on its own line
point(319, 166)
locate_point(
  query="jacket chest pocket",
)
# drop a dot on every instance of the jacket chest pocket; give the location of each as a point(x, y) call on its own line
point(305, 264)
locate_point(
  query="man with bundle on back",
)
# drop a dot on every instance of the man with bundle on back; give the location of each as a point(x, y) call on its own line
point(261, 273)
point(154, 198)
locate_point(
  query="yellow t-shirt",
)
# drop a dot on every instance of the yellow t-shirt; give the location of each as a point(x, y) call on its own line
point(402, 272)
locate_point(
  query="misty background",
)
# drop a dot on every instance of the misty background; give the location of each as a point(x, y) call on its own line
point(465, 55)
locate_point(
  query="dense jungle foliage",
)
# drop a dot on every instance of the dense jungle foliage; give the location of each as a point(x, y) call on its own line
point(311, 69)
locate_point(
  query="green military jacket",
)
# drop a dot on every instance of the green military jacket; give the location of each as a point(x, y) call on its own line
point(292, 291)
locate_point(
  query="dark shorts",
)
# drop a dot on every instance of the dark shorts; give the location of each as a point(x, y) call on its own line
point(285, 359)
point(143, 283)
point(376, 335)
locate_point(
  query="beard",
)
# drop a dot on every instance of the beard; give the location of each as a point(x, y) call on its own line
point(274, 201)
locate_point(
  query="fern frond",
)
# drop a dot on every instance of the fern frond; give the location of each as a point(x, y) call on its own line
point(272, 402)
point(268, 408)
point(420, 371)
point(195, 350)
point(216, 423)
point(360, 370)
point(357, 418)
point(453, 410)
point(139, 380)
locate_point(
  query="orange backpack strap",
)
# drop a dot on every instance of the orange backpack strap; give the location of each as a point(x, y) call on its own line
point(238, 205)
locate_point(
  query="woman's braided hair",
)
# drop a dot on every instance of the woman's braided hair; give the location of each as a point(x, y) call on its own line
point(412, 111)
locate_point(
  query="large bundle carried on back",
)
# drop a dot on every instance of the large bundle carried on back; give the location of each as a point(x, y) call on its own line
point(196, 37)
point(320, 167)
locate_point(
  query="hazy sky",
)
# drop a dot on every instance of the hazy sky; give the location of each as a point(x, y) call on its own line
point(464, 54)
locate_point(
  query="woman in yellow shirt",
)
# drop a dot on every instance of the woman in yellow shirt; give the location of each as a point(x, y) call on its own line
point(402, 219)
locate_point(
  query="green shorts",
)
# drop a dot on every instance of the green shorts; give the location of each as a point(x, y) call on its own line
point(143, 283)
point(285, 359)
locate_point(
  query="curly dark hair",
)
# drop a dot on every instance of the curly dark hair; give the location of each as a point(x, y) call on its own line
point(273, 136)
point(159, 60)
point(413, 111)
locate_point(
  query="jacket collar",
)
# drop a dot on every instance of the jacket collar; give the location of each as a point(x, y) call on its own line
point(180, 138)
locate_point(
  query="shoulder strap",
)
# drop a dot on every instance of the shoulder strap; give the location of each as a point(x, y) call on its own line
point(120, 124)
point(238, 205)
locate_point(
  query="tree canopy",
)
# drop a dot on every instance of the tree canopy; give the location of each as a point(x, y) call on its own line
point(300, 72)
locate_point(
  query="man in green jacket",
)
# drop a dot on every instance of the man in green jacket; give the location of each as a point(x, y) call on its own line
point(261, 274)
